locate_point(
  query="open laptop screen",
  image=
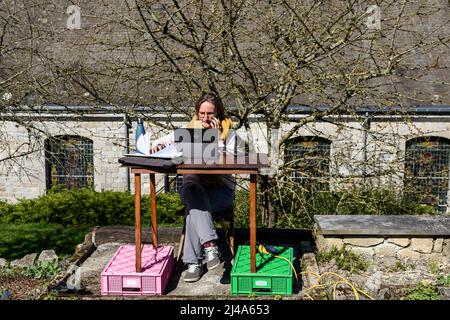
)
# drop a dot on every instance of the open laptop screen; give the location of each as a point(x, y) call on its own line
point(197, 143)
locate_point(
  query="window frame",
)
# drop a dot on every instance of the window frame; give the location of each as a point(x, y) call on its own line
point(53, 143)
point(426, 158)
point(323, 180)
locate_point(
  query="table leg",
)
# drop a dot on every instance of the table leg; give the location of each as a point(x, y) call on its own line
point(154, 213)
point(137, 219)
point(253, 223)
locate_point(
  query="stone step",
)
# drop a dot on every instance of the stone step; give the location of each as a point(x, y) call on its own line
point(383, 225)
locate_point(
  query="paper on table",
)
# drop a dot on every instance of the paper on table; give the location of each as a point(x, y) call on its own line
point(169, 152)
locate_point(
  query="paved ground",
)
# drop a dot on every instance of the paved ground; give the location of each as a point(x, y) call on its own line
point(213, 284)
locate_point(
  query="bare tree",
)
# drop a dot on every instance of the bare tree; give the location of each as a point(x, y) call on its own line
point(264, 58)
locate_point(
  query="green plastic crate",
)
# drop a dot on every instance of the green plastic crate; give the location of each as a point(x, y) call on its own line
point(273, 275)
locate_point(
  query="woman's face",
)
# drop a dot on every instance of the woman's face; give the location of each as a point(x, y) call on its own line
point(206, 113)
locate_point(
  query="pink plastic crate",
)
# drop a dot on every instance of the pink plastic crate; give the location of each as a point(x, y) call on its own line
point(120, 277)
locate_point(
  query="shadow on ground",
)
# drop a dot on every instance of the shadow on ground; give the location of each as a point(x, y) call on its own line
point(213, 283)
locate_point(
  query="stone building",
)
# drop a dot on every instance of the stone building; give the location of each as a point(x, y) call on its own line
point(369, 147)
point(69, 135)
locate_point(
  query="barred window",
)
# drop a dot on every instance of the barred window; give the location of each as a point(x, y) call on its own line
point(173, 182)
point(427, 169)
point(307, 160)
point(69, 162)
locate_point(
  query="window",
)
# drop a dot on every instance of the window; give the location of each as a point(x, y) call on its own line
point(69, 162)
point(173, 182)
point(426, 170)
point(307, 160)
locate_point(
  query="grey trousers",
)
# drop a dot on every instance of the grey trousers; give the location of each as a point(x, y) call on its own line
point(200, 201)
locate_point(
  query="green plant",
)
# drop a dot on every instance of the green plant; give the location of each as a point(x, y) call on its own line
point(88, 207)
point(167, 206)
point(398, 267)
point(10, 272)
point(43, 270)
point(434, 267)
point(52, 295)
point(443, 280)
point(242, 208)
point(421, 291)
point(20, 239)
point(303, 267)
point(296, 205)
point(60, 220)
point(251, 296)
point(345, 259)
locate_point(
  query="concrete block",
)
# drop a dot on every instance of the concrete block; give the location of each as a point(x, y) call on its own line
point(310, 264)
point(446, 247)
point(437, 257)
point(423, 245)
point(386, 249)
point(383, 225)
point(327, 243)
point(402, 242)
point(437, 245)
point(363, 242)
point(365, 251)
point(408, 253)
point(334, 242)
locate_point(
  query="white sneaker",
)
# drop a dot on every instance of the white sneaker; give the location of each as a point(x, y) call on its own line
point(212, 257)
point(193, 272)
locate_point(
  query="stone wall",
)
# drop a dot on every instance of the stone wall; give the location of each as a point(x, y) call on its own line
point(25, 177)
point(402, 248)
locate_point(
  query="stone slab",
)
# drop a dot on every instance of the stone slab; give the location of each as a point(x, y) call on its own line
point(48, 256)
point(312, 269)
point(370, 225)
point(422, 245)
point(24, 262)
point(125, 234)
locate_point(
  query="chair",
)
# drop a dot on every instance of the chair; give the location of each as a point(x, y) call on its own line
point(224, 217)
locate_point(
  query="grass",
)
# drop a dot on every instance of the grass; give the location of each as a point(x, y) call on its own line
point(345, 259)
point(17, 240)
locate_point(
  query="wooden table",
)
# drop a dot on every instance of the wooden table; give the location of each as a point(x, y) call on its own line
point(227, 164)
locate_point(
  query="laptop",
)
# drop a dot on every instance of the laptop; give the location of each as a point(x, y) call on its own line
point(197, 143)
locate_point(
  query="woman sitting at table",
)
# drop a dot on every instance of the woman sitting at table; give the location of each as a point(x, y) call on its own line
point(203, 194)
